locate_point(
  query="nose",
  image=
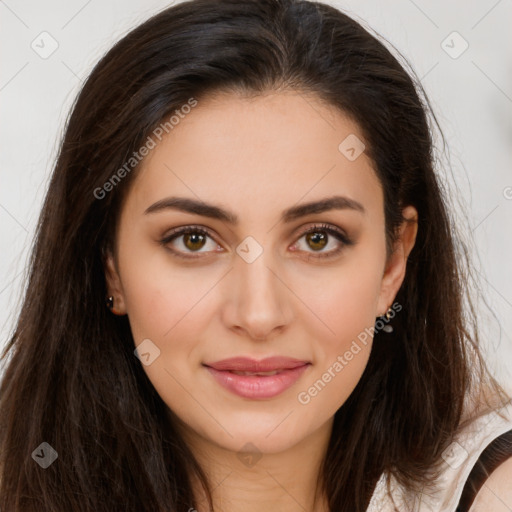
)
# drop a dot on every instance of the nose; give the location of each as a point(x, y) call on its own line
point(259, 301)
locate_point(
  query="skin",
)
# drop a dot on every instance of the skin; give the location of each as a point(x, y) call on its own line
point(256, 157)
point(496, 493)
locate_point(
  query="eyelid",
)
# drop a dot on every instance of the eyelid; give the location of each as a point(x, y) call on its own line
point(330, 228)
point(188, 228)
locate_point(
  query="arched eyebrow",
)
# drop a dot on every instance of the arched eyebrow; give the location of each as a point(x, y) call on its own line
point(197, 207)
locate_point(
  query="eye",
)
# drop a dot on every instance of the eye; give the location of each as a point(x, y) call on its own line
point(193, 239)
point(318, 237)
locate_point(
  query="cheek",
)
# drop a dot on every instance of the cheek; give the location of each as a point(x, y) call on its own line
point(345, 301)
point(167, 305)
point(346, 304)
point(160, 295)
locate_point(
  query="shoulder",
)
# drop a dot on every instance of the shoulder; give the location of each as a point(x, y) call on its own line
point(489, 484)
point(475, 472)
point(496, 492)
point(477, 476)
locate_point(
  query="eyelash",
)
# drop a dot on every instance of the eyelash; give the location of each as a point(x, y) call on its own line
point(331, 230)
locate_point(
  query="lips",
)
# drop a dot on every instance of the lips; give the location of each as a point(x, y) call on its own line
point(253, 379)
point(246, 364)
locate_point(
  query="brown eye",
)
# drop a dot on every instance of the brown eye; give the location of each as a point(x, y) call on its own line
point(317, 240)
point(188, 240)
point(194, 241)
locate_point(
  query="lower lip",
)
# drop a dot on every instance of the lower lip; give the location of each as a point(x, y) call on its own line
point(258, 386)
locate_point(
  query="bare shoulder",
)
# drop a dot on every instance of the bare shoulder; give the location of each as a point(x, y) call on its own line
point(496, 492)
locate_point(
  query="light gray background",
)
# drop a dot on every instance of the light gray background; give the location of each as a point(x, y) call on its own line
point(471, 95)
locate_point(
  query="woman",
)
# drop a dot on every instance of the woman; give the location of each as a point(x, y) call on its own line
point(245, 292)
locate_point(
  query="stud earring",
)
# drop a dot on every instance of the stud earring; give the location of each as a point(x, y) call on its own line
point(388, 327)
point(110, 303)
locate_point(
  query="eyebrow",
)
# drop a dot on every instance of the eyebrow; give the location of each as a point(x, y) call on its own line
point(196, 207)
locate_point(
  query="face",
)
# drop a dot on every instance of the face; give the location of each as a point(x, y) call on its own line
point(252, 272)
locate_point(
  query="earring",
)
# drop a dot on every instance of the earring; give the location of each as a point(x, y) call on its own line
point(110, 302)
point(388, 327)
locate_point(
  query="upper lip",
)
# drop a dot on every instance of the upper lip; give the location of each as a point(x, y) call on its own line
point(247, 364)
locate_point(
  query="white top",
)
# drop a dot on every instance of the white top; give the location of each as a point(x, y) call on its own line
point(459, 459)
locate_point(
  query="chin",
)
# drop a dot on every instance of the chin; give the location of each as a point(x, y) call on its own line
point(269, 434)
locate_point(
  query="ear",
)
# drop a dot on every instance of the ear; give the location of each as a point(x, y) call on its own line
point(114, 286)
point(394, 273)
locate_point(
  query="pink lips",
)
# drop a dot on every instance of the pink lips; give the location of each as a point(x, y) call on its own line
point(287, 371)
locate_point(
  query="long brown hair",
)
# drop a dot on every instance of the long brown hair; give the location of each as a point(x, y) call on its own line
point(72, 379)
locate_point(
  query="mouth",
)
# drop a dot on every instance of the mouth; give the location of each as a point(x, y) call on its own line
point(253, 379)
point(248, 364)
point(273, 372)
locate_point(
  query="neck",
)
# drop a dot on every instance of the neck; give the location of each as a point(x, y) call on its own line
point(287, 481)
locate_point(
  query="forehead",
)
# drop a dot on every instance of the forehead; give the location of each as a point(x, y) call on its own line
point(260, 153)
